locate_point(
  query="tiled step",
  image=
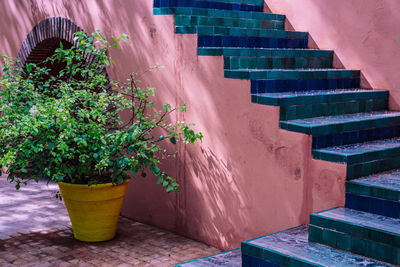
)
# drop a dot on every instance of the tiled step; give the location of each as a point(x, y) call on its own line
point(232, 258)
point(277, 62)
point(384, 185)
point(224, 5)
point(287, 99)
point(359, 232)
point(301, 105)
point(291, 248)
point(276, 81)
point(361, 152)
point(306, 74)
point(237, 37)
point(193, 22)
point(235, 32)
point(347, 129)
point(280, 85)
point(247, 2)
point(328, 125)
point(364, 159)
point(262, 52)
point(220, 13)
point(274, 52)
point(377, 194)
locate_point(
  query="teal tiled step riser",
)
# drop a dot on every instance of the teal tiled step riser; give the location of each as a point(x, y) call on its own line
point(195, 21)
point(352, 229)
point(389, 128)
point(254, 52)
point(247, 2)
point(277, 62)
point(250, 261)
point(281, 85)
point(263, 52)
point(360, 157)
point(354, 137)
point(374, 205)
point(354, 244)
point(233, 33)
point(322, 108)
point(217, 13)
point(374, 166)
point(207, 4)
point(372, 191)
point(221, 41)
point(297, 75)
point(266, 255)
point(328, 97)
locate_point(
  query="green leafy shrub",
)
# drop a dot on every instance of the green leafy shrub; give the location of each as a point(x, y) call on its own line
point(65, 125)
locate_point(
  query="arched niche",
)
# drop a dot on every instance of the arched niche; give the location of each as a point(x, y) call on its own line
point(45, 37)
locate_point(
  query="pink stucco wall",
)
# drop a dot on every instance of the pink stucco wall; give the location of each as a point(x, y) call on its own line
point(364, 34)
point(248, 177)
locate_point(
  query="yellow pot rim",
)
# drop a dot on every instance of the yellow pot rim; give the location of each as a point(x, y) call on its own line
point(96, 185)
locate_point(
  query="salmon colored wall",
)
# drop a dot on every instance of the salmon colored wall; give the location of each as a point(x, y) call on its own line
point(248, 177)
point(365, 35)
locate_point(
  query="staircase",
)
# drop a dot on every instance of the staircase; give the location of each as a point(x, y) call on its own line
point(348, 125)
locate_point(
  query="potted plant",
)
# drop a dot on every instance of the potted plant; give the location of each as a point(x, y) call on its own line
point(60, 121)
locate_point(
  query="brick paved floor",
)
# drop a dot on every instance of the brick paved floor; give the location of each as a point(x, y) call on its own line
point(35, 231)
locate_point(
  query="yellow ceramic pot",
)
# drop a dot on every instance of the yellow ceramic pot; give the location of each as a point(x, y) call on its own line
point(93, 210)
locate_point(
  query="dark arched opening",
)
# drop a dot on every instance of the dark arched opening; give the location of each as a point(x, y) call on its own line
point(46, 49)
point(45, 38)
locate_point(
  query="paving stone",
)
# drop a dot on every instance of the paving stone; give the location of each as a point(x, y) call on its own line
point(49, 240)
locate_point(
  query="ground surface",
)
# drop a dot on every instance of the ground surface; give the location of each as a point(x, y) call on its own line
point(35, 231)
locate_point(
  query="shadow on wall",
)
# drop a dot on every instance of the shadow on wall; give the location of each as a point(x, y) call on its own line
point(216, 182)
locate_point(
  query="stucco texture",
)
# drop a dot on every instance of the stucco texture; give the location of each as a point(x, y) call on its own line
point(364, 34)
point(248, 177)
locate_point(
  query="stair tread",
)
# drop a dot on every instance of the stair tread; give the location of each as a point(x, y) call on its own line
point(364, 219)
point(223, 5)
point(251, 32)
point(254, 51)
point(311, 93)
point(294, 243)
point(221, 16)
point(219, 13)
point(228, 13)
point(244, 2)
point(342, 119)
point(290, 70)
point(290, 74)
point(386, 180)
point(317, 96)
point(230, 49)
point(360, 148)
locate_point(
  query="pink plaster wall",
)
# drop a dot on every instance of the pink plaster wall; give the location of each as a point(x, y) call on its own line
point(365, 35)
point(248, 177)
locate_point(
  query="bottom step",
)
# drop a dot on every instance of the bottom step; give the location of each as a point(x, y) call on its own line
point(291, 248)
point(231, 258)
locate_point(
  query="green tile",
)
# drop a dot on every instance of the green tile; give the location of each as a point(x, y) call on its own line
point(315, 234)
point(329, 238)
point(343, 241)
